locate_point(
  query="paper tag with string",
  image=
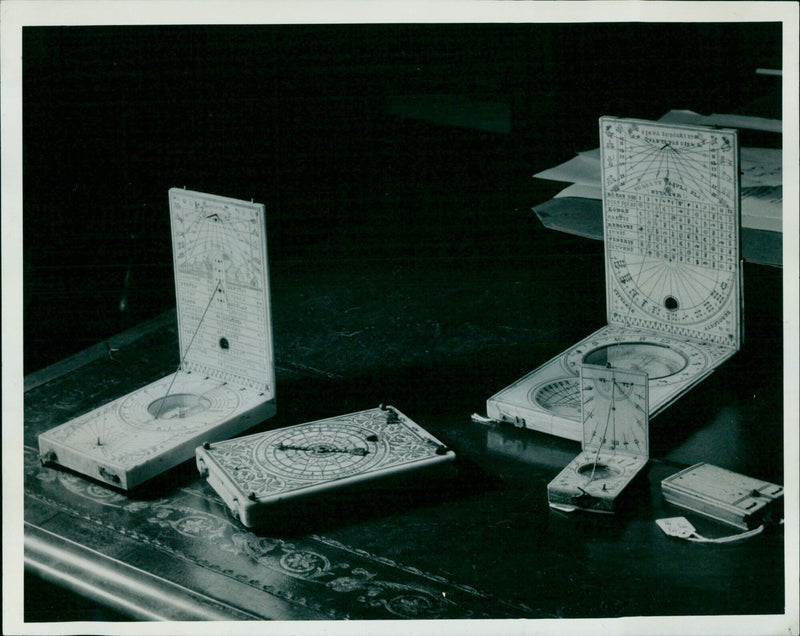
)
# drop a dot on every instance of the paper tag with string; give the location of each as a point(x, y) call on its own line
point(681, 528)
point(676, 527)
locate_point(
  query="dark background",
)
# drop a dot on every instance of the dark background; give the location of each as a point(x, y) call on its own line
point(396, 158)
point(306, 120)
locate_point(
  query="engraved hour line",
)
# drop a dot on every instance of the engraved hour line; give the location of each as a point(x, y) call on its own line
point(559, 394)
point(662, 278)
point(336, 432)
point(100, 429)
point(658, 270)
point(693, 159)
point(180, 364)
point(640, 151)
point(694, 170)
point(230, 241)
point(657, 155)
point(99, 440)
point(611, 409)
point(689, 164)
point(698, 287)
point(561, 398)
point(694, 286)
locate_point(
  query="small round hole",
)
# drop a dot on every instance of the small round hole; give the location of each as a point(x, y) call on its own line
point(671, 303)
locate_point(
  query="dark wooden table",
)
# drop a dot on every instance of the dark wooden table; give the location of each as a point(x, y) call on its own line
point(435, 335)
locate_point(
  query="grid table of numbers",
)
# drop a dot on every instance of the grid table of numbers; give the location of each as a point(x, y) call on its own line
point(679, 231)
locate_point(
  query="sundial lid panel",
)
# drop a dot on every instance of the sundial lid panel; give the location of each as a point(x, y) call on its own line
point(220, 253)
point(671, 211)
point(614, 410)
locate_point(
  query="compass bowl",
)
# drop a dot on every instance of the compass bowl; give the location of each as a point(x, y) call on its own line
point(598, 470)
point(658, 361)
point(180, 405)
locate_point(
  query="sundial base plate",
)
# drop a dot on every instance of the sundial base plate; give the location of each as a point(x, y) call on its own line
point(140, 435)
point(548, 400)
point(582, 485)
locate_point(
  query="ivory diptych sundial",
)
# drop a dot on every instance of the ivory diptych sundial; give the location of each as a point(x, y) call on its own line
point(671, 215)
point(615, 440)
point(225, 380)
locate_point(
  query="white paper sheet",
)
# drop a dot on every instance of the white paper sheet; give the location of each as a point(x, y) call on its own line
point(723, 120)
point(761, 173)
point(759, 167)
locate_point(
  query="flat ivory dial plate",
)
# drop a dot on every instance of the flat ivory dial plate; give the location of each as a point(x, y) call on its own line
point(253, 472)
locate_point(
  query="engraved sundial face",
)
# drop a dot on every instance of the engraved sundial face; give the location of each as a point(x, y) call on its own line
point(561, 396)
point(339, 447)
point(137, 425)
point(185, 404)
point(693, 163)
point(672, 228)
point(323, 451)
point(666, 360)
point(218, 239)
point(316, 455)
point(658, 361)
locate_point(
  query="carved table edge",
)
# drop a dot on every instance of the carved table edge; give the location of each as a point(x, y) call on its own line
point(116, 585)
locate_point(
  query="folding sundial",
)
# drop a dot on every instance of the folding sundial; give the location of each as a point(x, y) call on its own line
point(225, 381)
point(723, 495)
point(254, 472)
point(673, 273)
point(615, 437)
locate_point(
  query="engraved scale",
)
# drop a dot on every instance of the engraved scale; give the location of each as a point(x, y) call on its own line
point(615, 440)
point(225, 381)
point(254, 472)
point(671, 216)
